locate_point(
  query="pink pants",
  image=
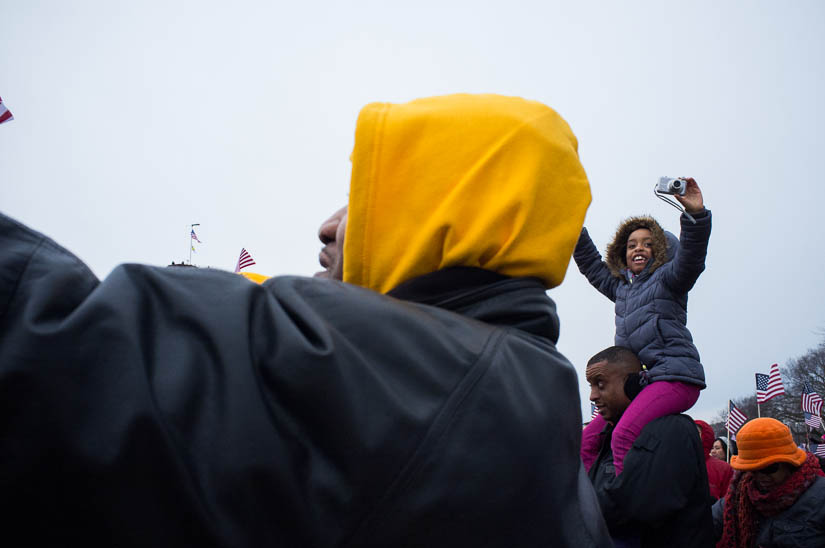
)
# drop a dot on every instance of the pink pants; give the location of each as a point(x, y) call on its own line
point(657, 399)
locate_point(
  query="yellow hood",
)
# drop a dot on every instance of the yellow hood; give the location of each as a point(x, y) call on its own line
point(254, 276)
point(462, 180)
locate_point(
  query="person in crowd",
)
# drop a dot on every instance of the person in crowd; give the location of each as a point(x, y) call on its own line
point(719, 472)
point(662, 497)
point(422, 402)
point(648, 274)
point(777, 496)
point(814, 441)
point(719, 449)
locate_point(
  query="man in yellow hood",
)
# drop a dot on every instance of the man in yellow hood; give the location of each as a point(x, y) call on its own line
point(183, 407)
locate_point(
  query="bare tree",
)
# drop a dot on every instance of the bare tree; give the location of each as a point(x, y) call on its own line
point(786, 408)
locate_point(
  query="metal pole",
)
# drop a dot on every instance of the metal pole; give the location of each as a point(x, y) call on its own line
point(758, 413)
point(808, 437)
point(727, 427)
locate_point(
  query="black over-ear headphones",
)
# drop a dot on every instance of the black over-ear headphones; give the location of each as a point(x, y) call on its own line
point(634, 383)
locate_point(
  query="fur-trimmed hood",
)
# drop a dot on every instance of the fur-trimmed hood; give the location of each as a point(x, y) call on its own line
point(665, 245)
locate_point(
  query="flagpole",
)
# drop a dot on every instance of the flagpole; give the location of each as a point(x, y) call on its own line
point(191, 229)
point(727, 427)
point(808, 437)
point(758, 413)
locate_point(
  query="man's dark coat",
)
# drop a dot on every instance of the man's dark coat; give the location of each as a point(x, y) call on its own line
point(661, 497)
point(189, 407)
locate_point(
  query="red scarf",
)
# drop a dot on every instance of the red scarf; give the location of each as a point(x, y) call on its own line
point(745, 505)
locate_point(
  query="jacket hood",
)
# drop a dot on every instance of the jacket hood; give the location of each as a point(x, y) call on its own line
point(665, 245)
point(708, 437)
point(479, 181)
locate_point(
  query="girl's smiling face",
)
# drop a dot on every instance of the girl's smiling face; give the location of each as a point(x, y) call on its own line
point(639, 250)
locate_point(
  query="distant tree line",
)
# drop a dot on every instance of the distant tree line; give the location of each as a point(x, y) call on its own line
point(786, 408)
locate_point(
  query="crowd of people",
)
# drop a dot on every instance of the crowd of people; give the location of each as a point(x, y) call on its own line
point(410, 394)
point(674, 491)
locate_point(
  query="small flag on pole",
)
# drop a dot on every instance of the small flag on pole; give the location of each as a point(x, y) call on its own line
point(195, 236)
point(244, 260)
point(736, 419)
point(812, 420)
point(818, 449)
point(193, 249)
point(769, 386)
point(593, 411)
point(5, 114)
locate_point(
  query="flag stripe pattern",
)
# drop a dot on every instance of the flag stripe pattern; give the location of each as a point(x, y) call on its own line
point(593, 411)
point(736, 419)
point(244, 260)
point(195, 236)
point(811, 401)
point(818, 449)
point(769, 386)
point(5, 114)
point(812, 420)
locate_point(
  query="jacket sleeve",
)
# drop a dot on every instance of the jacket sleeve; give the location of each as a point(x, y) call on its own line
point(192, 407)
point(637, 494)
point(590, 263)
point(196, 407)
point(682, 272)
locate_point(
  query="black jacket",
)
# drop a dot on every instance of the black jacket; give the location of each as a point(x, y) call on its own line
point(184, 407)
point(661, 497)
point(802, 525)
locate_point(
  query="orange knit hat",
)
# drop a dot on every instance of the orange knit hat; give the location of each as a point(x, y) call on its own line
point(763, 442)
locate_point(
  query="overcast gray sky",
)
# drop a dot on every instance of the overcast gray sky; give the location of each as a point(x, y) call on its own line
point(135, 119)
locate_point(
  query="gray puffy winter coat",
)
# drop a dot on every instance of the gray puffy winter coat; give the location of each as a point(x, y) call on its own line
point(651, 310)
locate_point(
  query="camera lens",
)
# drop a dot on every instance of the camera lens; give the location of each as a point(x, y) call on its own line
point(677, 184)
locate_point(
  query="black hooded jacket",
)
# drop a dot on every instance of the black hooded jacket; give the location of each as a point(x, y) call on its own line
point(183, 407)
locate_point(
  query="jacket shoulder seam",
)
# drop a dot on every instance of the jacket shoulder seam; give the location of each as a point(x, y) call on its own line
point(16, 284)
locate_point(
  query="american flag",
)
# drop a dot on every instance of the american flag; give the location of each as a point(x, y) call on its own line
point(195, 236)
point(593, 411)
point(812, 420)
point(5, 114)
point(811, 401)
point(736, 419)
point(818, 449)
point(769, 386)
point(244, 260)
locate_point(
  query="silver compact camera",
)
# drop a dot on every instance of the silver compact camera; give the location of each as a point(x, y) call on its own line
point(669, 185)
